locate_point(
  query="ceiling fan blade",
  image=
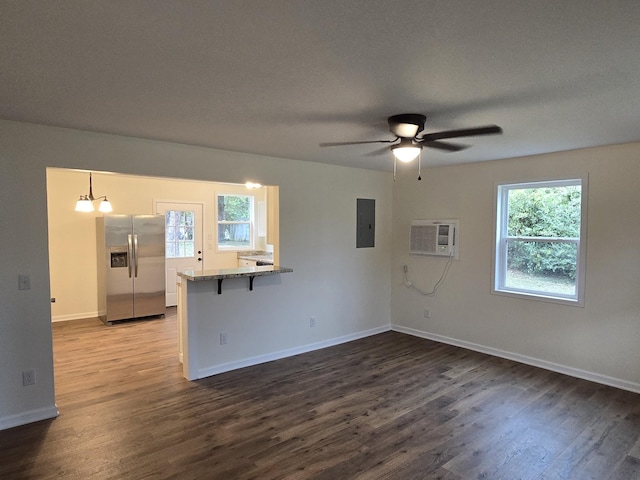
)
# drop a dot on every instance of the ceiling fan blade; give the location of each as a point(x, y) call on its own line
point(449, 147)
point(463, 132)
point(379, 151)
point(340, 144)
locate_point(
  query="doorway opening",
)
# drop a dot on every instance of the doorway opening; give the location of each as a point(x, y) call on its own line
point(72, 241)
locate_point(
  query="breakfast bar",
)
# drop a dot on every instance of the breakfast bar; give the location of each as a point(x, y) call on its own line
point(220, 275)
point(211, 324)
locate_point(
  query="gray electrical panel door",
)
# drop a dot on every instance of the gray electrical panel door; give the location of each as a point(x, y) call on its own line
point(366, 228)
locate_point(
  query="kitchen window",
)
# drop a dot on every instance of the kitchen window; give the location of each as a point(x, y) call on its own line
point(540, 246)
point(235, 222)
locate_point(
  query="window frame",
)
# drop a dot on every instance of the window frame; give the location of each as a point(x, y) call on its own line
point(250, 222)
point(180, 242)
point(499, 263)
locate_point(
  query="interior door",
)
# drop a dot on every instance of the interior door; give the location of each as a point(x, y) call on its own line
point(183, 242)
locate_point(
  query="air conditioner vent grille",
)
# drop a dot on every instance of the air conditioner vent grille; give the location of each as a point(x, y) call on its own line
point(423, 239)
point(434, 237)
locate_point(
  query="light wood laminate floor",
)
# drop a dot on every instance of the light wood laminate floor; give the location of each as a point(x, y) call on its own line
point(389, 406)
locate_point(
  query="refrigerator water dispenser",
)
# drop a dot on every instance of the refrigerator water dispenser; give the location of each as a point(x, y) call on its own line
point(119, 258)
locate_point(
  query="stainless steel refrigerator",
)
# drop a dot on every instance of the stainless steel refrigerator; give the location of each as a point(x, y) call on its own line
point(131, 271)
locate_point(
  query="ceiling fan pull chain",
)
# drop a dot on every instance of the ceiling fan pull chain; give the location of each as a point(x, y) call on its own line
point(419, 162)
point(395, 161)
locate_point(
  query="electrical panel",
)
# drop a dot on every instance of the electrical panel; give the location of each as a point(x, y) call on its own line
point(366, 222)
point(434, 237)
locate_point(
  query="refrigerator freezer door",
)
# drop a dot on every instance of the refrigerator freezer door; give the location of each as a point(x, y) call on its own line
point(119, 284)
point(148, 265)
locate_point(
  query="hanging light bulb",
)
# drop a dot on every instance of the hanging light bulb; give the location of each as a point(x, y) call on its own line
point(105, 206)
point(84, 204)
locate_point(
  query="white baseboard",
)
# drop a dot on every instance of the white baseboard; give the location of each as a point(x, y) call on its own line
point(536, 362)
point(248, 362)
point(74, 316)
point(23, 418)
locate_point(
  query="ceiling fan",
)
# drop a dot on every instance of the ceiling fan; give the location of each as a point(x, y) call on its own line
point(406, 128)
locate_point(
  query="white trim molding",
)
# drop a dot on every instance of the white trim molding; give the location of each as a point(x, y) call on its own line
point(30, 416)
point(248, 362)
point(75, 316)
point(516, 357)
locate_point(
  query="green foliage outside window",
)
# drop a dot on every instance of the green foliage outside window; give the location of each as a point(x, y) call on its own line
point(234, 221)
point(544, 212)
point(234, 208)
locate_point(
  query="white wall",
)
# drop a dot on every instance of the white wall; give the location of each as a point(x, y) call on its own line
point(598, 341)
point(72, 235)
point(347, 289)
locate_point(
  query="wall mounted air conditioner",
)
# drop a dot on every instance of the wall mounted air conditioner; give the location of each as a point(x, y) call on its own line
point(434, 237)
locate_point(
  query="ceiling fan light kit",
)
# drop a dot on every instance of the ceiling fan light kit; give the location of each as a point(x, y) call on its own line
point(406, 151)
point(407, 126)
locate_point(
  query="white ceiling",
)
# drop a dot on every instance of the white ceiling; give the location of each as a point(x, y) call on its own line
point(278, 77)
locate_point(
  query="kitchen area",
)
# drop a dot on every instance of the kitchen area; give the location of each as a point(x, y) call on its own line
point(74, 278)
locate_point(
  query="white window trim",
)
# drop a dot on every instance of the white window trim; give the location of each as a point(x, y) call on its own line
point(499, 261)
point(251, 222)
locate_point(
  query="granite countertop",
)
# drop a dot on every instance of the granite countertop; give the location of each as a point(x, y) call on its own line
point(257, 255)
point(223, 273)
point(258, 258)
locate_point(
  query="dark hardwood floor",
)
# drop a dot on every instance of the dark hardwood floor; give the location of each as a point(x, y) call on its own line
point(386, 407)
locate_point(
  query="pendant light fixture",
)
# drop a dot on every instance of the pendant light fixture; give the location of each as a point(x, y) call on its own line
point(85, 202)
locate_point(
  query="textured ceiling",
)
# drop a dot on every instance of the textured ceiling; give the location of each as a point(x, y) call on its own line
point(279, 77)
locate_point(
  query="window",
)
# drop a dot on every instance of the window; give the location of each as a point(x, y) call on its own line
point(179, 234)
point(540, 233)
point(235, 222)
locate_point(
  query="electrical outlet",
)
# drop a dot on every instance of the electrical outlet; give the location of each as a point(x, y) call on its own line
point(24, 282)
point(223, 339)
point(427, 313)
point(312, 322)
point(28, 377)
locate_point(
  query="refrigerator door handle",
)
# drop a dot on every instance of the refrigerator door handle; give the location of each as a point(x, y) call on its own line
point(129, 253)
point(135, 253)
